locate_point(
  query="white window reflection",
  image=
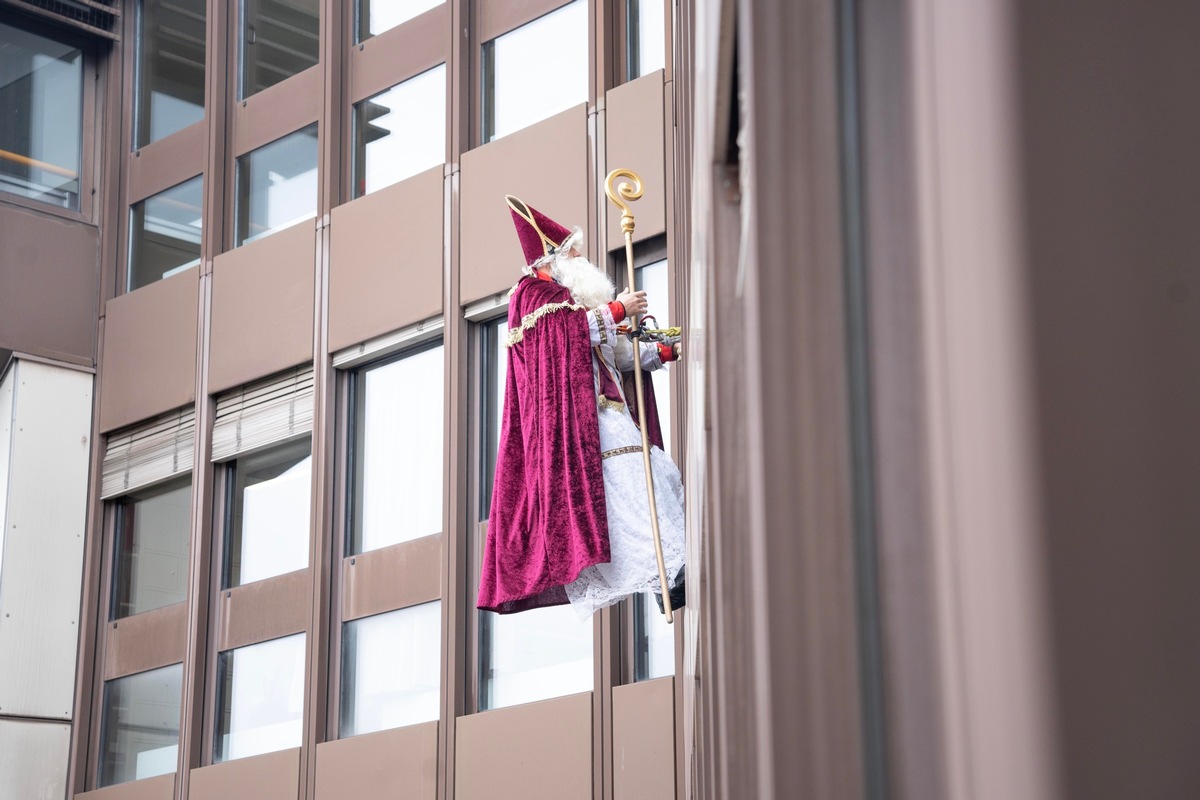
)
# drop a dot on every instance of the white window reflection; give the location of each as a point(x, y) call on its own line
point(654, 640)
point(260, 698)
point(400, 132)
point(140, 725)
point(377, 16)
point(398, 470)
point(391, 669)
point(270, 515)
point(164, 235)
point(534, 655)
point(652, 278)
point(277, 185)
point(535, 71)
point(647, 36)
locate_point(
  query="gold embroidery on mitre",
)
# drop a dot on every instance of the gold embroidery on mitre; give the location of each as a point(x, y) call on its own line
point(529, 320)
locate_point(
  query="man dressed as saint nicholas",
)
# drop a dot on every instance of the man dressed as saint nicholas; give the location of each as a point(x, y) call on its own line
point(570, 519)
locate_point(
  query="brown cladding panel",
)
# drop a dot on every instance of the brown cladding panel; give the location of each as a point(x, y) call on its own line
point(263, 610)
point(168, 162)
point(399, 53)
point(401, 762)
point(274, 776)
point(385, 267)
point(146, 641)
point(391, 577)
point(49, 284)
point(277, 111)
point(262, 307)
point(161, 787)
point(149, 363)
point(644, 740)
point(635, 130)
point(546, 166)
point(534, 750)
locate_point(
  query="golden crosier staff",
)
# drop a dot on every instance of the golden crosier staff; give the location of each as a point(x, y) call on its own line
point(630, 190)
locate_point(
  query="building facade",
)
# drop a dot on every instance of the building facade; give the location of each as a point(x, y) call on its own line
point(934, 414)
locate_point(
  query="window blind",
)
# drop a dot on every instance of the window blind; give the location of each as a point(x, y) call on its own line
point(263, 413)
point(148, 453)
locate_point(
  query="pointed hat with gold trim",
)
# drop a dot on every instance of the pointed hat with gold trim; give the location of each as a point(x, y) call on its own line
point(540, 236)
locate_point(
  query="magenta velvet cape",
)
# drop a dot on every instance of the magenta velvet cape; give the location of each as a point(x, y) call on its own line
point(548, 519)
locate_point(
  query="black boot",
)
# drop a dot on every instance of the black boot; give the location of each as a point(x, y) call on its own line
point(678, 593)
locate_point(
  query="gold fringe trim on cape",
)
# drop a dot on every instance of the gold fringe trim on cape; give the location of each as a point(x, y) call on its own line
point(529, 320)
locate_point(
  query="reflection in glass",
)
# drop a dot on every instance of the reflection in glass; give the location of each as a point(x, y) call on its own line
point(398, 451)
point(654, 640)
point(170, 68)
point(377, 16)
point(277, 185)
point(269, 513)
point(140, 725)
point(535, 71)
point(495, 373)
point(400, 132)
point(391, 669)
point(646, 26)
point(652, 278)
point(164, 235)
point(150, 567)
point(546, 652)
point(260, 698)
point(41, 111)
point(279, 40)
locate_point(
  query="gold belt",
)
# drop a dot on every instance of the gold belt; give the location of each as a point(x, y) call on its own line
point(620, 451)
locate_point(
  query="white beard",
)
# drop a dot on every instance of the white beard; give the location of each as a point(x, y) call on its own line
point(589, 286)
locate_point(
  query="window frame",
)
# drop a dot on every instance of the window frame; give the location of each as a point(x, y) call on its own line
point(90, 138)
point(116, 530)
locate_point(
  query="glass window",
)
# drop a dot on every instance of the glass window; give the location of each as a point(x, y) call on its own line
point(652, 278)
point(377, 16)
point(546, 652)
point(400, 132)
point(535, 71)
point(279, 39)
point(170, 68)
point(260, 698)
point(654, 640)
point(268, 517)
point(164, 233)
point(140, 725)
point(646, 27)
point(398, 451)
point(150, 567)
point(391, 669)
point(277, 185)
point(41, 128)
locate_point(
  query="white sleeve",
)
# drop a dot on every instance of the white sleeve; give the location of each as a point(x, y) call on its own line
point(651, 358)
point(601, 326)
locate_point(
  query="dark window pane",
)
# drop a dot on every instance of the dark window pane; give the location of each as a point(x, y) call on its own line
point(391, 669)
point(277, 185)
point(41, 110)
point(170, 68)
point(400, 132)
point(164, 235)
point(377, 16)
point(151, 547)
point(494, 367)
point(535, 71)
point(279, 40)
point(269, 513)
point(260, 698)
point(140, 725)
point(398, 451)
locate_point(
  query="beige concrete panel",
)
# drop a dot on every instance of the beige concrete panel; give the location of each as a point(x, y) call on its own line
point(167, 162)
point(535, 750)
point(274, 776)
point(396, 576)
point(161, 787)
point(401, 762)
point(546, 166)
point(644, 740)
point(149, 361)
point(385, 268)
point(48, 294)
point(145, 641)
point(277, 111)
point(266, 609)
point(262, 307)
point(635, 130)
point(33, 758)
point(401, 52)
